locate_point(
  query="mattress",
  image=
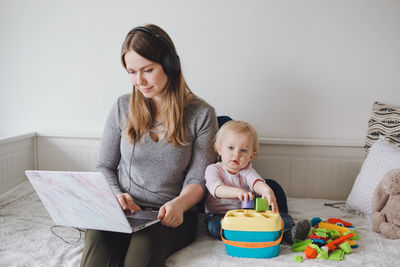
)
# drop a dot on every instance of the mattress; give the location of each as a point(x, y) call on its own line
point(26, 238)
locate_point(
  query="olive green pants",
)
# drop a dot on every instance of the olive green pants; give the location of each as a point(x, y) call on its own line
point(147, 247)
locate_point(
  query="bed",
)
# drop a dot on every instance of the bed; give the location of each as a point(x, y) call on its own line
point(27, 240)
point(307, 172)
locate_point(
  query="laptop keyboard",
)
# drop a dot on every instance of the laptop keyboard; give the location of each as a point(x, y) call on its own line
point(141, 217)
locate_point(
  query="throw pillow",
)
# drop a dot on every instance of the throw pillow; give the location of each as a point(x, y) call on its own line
point(383, 156)
point(384, 121)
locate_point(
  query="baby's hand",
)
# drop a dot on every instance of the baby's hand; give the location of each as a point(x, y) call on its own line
point(246, 196)
point(269, 194)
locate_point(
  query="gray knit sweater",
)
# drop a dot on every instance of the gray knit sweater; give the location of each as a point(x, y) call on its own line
point(158, 170)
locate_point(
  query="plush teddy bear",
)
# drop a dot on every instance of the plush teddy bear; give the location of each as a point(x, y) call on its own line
point(385, 217)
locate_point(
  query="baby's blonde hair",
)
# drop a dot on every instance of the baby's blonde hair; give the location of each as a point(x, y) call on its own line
point(237, 127)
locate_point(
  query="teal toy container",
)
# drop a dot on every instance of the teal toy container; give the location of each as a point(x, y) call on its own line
point(252, 234)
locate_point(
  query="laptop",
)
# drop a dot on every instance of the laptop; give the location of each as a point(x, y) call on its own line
point(85, 200)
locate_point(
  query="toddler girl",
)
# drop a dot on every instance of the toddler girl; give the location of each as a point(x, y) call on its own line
point(233, 179)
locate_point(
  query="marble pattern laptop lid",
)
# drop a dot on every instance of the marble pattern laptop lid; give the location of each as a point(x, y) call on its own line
point(79, 199)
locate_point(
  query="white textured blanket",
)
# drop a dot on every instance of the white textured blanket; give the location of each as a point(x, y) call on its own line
point(26, 238)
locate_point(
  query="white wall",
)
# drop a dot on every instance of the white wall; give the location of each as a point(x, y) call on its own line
point(306, 69)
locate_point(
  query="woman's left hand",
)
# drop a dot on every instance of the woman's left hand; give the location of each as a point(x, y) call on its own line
point(171, 214)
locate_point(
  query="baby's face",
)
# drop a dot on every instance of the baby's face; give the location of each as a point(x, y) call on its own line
point(236, 151)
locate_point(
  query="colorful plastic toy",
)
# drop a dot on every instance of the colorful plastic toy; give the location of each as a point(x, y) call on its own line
point(315, 221)
point(355, 235)
point(317, 249)
point(332, 245)
point(252, 234)
point(353, 243)
point(261, 204)
point(318, 237)
point(345, 246)
point(337, 255)
point(331, 226)
point(323, 254)
point(301, 245)
point(319, 241)
point(334, 234)
point(248, 205)
point(339, 222)
point(339, 240)
point(310, 252)
point(322, 232)
point(298, 258)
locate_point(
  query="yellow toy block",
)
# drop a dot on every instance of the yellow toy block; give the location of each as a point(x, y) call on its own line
point(330, 226)
point(352, 242)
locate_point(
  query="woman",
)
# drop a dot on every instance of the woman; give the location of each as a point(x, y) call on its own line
point(156, 145)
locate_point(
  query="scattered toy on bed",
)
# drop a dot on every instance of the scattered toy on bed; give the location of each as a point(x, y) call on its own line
point(330, 239)
point(385, 217)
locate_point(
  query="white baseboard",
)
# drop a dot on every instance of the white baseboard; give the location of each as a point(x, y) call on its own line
point(304, 168)
point(17, 154)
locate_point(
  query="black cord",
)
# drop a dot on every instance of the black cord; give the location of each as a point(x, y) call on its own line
point(333, 204)
point(130, 166)
point(68, 242)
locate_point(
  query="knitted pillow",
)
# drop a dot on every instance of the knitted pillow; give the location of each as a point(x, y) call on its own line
point(382, 157)
point(384, 121)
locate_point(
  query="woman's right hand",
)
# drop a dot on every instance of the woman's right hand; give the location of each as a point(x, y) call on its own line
point(126, 202)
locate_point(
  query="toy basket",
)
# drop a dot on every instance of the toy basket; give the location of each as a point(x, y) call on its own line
point(252, 234)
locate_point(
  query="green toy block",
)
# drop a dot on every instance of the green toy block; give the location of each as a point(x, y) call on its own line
point(324, 254)
point(333, 234)
point(345, 246)
point(317, 249)
point(355, 235)
point(301, 246)
point(337, 255)
point(261, 204)
point(321, 232)
point(298, 258)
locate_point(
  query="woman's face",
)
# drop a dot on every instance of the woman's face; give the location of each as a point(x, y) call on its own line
point(147, 76)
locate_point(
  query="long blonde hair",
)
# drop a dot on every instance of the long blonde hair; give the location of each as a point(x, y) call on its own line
point(176, 93)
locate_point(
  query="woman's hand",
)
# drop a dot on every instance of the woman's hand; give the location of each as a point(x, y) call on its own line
point(171, 214)
point(126, 202)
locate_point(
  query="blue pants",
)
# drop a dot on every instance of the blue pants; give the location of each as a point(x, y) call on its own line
point(213, 221)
